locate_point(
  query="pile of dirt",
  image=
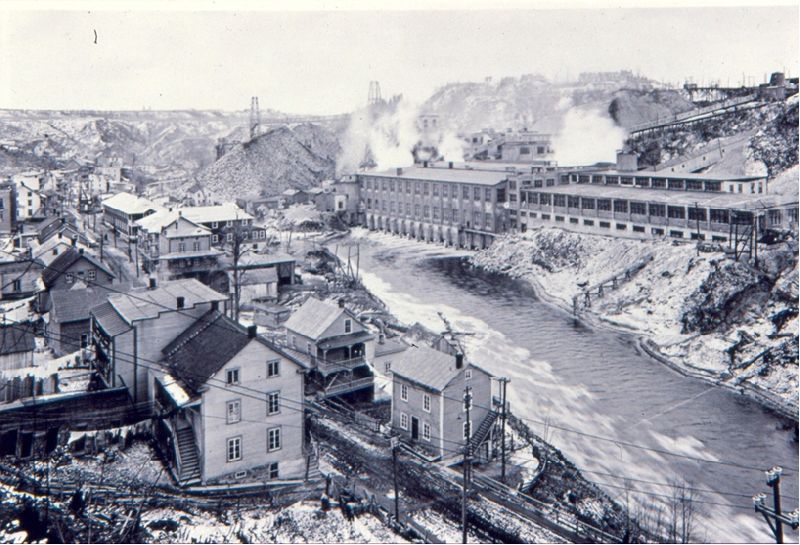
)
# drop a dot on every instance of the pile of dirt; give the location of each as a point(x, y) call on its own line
point(298, 157)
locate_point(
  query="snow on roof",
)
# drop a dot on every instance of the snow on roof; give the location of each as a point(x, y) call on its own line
point(427, 367)
point(146, 304)
point(439, 174)
point(219, 213)
point(313, 318)
point(129, 203)
point(710, 176)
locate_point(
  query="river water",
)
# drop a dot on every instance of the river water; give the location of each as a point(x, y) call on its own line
point(596, 383)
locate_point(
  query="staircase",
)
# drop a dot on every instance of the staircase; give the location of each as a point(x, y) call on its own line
point(483, 430)
point(312, 459)
point(187, 454)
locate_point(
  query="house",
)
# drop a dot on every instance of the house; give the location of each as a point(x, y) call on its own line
point(49, 250)
point(71, 266)
point(387, 350)
point(130, 329)
point(295, 196)
point(20, 279)
point(261, 275)
point(173, 246)
point(8, 207)
point(17, 344)
point(223, 220)
point(335, 345)
point(123, 210)
point(231, 406)
point(428, 389)
point(28, 187)
point(69, 326)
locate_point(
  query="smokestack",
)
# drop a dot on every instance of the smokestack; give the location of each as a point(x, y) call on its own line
point(180, 301)
point(153, 283)
point(399, 171)
point(424, 164)
point(459, 361)
point(450, 164)
point(252, 331)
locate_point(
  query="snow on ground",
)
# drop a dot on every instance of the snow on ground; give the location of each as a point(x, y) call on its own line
point(653, 303)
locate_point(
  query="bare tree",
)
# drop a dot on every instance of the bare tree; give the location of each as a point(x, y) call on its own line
point(681, 513)
point(236, 237)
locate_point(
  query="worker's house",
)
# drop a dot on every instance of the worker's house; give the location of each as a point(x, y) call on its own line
point(230, 406)
point(335, 346)
point(17, 344)
point(130, 329)
point(68, 327)
point(387, 350)
point(260, 275)
point(428, 388)
point(20, 279)
point(172, 247)
point(72, 267)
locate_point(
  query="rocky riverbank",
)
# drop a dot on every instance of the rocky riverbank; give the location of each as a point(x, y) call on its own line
point(702, 313)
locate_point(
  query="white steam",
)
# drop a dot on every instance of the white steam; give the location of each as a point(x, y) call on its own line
point(587, 137)
point(390, 138)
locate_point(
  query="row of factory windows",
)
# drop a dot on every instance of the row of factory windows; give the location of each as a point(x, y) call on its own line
point(450, 215)
point(663, 183)
point(717, 215)
point(434, 189)
point(656, 231)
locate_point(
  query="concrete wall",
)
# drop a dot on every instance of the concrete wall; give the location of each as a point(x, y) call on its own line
point(254, 423)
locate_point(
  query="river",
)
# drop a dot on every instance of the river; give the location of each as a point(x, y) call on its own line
point(648, 422)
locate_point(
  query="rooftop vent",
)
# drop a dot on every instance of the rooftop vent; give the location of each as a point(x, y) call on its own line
point(180, 302)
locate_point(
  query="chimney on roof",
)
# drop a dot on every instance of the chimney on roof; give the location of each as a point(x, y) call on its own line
point(341, 303)
point(74, 241)
point(215, 305)
point(459, 361)
point(153, 283)
point(450, 164)
point(399, 171)
point(180, 301)
point(424, 164)
point(60, 236)
point(80, 251)
point(252, 331)
point(381, 338)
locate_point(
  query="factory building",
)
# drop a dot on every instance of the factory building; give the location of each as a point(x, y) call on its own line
point(456, 206)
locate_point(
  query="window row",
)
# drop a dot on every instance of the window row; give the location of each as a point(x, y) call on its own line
point(430, 188)
point(234, 446)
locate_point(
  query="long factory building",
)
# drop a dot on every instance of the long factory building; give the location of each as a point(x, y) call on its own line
point(468, 204)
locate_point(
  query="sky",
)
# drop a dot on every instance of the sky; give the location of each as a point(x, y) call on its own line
point(319, 62)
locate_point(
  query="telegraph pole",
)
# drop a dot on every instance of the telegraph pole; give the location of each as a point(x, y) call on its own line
point(466, 463)
point(503, 383)
point(774, 517)
point(395, 445)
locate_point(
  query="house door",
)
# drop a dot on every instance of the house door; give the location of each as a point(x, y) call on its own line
point(414, 428)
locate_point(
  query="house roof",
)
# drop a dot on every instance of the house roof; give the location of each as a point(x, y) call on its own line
point(200, 351)
point(428, 367)
point(313, 318)
point(109, 319)
point(145, 304)
point(76, 304)
point(16, 338)
point(221, 212)
point(665, 174)
point(154, 223)
point(437, 174)
point(129, 203)
point(390, 345)
point(67, 259)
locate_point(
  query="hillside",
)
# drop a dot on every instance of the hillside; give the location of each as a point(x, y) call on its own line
point(632, 107)
point(180, 140)
point(285, 157)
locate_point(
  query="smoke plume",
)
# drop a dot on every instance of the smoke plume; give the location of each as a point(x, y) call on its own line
point(587, 136)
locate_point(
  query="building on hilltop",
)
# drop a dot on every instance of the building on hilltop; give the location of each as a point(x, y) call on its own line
point(230, 406)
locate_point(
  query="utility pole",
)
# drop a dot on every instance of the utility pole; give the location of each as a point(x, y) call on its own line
point(466, 462)
point(395, 446)
point(503, 383)
point(774, 517)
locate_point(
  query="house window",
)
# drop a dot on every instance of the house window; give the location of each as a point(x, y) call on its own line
point(234, 412)
point(195, 246)
point(404, 392)
point(273, 439)
point(70, 278)
point(229, 237)
point(273, 368)
point(181, 246)
point(234, 449)
point(273, 403)
point(308, 348)
point(91, 274)
point(214, 224)
point(272, 471)
point(232, 376)
point(403, 421)
point(387, 367)
point(348, 326)
point(214, 238)
point(426, 431)
point(468, 374)
point(17, 285)
point(426, 403)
